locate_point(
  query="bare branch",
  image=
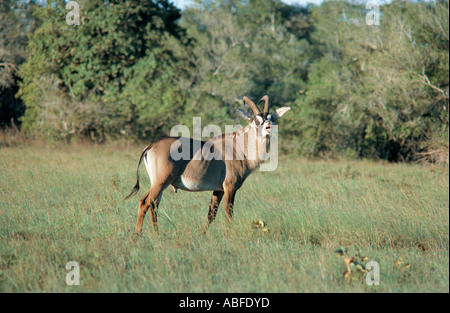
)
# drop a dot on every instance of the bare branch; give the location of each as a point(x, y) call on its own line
point(9, 66)
point(427, 81)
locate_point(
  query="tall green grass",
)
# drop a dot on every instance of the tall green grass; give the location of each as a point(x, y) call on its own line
point(59, 205)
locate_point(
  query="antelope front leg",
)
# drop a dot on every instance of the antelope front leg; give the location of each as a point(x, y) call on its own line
point(229, 203)
point(215, 201)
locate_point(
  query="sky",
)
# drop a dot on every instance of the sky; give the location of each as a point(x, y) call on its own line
point(182, 3)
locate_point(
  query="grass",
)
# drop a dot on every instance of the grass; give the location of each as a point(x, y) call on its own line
point(65, 204)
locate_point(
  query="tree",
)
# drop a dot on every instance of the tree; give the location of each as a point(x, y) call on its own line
point(380, 92)
point(83, 80)
point(245, 48)
point(16, 21)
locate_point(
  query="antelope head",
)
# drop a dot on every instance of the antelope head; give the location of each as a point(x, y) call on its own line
point(261, 124)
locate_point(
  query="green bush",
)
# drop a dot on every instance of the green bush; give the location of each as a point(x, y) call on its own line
point(133, 69)
point(380, 91)
point(83, 80)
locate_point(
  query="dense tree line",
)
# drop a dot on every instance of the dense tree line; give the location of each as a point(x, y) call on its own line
point(377, 91)
point(16, 21)
point(135, 68)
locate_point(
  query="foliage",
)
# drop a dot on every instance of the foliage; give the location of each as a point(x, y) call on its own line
point(95, 69)
point(379, 91)
point(134, 69)
point(16, 21)
point(246, 48)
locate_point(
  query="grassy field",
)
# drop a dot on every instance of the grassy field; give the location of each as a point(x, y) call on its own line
point(59, 205)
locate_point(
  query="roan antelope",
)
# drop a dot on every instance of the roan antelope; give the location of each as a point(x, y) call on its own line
point(223, 168)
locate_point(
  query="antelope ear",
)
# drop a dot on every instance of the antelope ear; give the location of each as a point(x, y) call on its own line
point(279, 113)
point(245, 115)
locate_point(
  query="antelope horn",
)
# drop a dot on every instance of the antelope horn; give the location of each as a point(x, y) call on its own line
point(245, 115)
point(252, 104)
point(266, 105)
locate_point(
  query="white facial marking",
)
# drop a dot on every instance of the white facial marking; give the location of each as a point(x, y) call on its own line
point(267, 128)
point(260, 119)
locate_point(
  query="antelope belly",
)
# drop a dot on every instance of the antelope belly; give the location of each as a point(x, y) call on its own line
point(189, 184)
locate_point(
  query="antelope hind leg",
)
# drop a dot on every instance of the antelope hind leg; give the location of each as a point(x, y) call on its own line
point(150, 201)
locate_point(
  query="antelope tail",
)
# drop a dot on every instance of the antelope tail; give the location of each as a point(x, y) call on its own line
point(136, 187)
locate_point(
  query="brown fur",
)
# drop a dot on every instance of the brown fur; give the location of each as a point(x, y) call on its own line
point(223, 176)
